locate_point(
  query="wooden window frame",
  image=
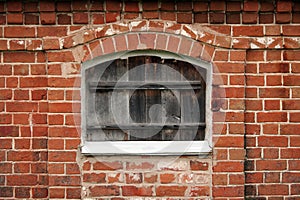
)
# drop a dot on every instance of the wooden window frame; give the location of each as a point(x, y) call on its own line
point(147, 147)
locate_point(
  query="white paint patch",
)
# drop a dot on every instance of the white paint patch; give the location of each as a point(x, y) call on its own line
point(61, 43)
point(169, 24)
point(99, 29)
point(136, 23)
point(254, 46)
point(109, 32)
point(20, 42)
point(177, 32)
point(177, 165)
point(270, 40)
point(235, 41)
point(190, 29)
point(201, 34)
point(278, 46)
point(261, 40)
point(39, 48)
point(86, 33)
point(135, 177)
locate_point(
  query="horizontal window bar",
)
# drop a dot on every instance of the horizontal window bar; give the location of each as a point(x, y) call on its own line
point(148, 126)
point(134, 85)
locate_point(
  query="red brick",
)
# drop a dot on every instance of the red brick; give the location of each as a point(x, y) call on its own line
point(237, 154)
point(47, 6)
point(23, 156)
point(63, 19)
point(94, 178)
point(197, 165)
point(60, 156)
point(291, 80)
point(22, 192)
point(185, 18)
point(9, 131)
point(18, 180)
point(63, 132)
point(250, 18)
point(271, 117)
point(274, 189)
point(80, 6)
point(274, 80)
point(74, 193)
point(216, 18)
point(23, 57)
point(111, 17)
point(167, 178)
point(80, 18)
point(98, 18)
point(97, 191)
point(272, 105)
point(14, 6)
point(21, 167)
point(248, 31)
point(48, 18)
point(294, 165)
point(65, 56)
point(150, 178)
point(150, 15)
point(284, 6)
point(170, 190)
point(14, 18)
point(292, 153)
point(295, 117)
point(274, 68)
point(57, 192)
point(21, 69)
point(132, 7)
point(274, 93)
point(290, 129)
point(64, 180)
point(272, 177)
point(291, 104)
point(291, 55)
point(233, 6)
point(250, 6)
point(228, 166)
point(273, 141)
point(282, 18)
point(271, 165)
point(295, 189)
point(200, 18)
point(254, 177)
point(64, 6)
point(107, 165)
point(291, 177)
point(31, 18)
point(51, 31)
point(236, 191)
point(40, 192)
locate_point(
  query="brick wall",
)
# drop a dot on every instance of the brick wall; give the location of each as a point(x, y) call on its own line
point(253, 47)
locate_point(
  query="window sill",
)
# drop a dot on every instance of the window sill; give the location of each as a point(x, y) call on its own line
point(146, 148)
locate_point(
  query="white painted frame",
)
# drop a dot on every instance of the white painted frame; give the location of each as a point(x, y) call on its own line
point(148, 147)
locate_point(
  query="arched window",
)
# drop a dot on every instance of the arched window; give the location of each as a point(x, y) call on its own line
point(145, 102)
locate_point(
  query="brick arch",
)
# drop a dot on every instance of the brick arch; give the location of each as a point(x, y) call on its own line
point(190, 40)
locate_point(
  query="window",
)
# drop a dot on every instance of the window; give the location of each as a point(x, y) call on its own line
point(145, 103)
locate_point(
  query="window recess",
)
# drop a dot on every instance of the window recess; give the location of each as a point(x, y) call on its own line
point(145, 101)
